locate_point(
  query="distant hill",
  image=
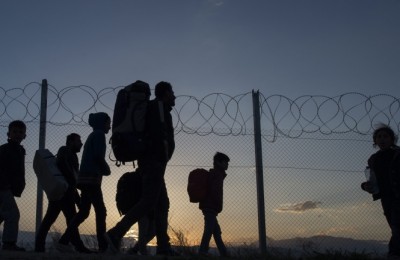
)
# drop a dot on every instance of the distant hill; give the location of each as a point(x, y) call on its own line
point(296, 245)
point(328, 243)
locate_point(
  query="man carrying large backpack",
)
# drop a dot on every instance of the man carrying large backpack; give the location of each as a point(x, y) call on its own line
point(159, 135)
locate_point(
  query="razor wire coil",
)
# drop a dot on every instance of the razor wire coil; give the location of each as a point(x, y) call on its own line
point(216, 113)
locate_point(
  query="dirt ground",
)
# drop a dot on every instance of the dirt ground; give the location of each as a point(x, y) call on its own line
point(5, 255)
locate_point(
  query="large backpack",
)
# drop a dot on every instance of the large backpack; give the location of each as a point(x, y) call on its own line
point(49, 176)
point(129, 190)
point(197, 185)
point(127, 139)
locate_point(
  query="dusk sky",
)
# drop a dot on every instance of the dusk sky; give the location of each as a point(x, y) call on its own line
point(284, 47)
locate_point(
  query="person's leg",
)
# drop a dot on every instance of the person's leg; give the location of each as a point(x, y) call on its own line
point(218, 239)
point(151, 230)
point(147, 232)
point(101, 214)
point(53, 210)
point(161, 221)
point(394, 243)
point(210, 218)
point(10, 214)
point(151, 183)
point(69, 210)
point(143, 225)
point(83, 213)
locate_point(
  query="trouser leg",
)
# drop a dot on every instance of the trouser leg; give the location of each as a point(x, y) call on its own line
point(83, 213)
point(53, 210)
point(69, 211)
point(161, 220)
point(218, 239)
point(152, 181)
point(210, 218)
point(146, 233)
point(393, 217)
point(101, 214)
point(9, 212)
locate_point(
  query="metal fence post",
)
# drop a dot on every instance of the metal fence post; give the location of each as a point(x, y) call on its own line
point(42, 145)
point(259, 173)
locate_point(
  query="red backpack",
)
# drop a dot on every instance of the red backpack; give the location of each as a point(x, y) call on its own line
point(197, 185)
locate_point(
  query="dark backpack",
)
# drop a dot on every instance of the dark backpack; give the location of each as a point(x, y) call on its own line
point(197, 185)
point(129, 190)
point(127, 139)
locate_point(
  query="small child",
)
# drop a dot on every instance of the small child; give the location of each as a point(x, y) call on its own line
point(12, 183)
point(93, 168)
point(385, 163)
point(211, 206)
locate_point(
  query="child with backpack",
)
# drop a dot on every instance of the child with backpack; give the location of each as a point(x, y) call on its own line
point(212, 204)
point(93, 168)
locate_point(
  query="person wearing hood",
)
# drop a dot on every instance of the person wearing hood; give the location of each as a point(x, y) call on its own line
point(93, 168)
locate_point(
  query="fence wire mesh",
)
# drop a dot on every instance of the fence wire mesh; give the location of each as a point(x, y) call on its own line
point(314, 152)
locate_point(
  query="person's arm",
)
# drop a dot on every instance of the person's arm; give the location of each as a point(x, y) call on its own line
point(17, 170)
point(64, 165)
point(367, 185)
point(99, 142)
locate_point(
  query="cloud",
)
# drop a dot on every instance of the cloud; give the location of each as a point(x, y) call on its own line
point(298, 207)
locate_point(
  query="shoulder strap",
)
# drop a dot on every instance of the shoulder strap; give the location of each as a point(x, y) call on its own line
point(161, 111)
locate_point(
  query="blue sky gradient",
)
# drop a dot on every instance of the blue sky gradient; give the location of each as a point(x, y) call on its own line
point(283, 47)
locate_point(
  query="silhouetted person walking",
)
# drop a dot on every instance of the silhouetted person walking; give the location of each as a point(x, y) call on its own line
point(212, 204)
point(385, 164)
point(68, 164)
point(12, 183)
point(93, 168)
point(160, 137)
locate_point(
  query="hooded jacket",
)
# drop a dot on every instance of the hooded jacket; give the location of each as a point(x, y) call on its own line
point(93, 163)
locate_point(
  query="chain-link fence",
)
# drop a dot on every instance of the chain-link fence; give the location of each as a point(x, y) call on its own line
point(314, 149)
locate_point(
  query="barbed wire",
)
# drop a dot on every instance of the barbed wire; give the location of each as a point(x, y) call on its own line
point(216, 113)
point(349, 112)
